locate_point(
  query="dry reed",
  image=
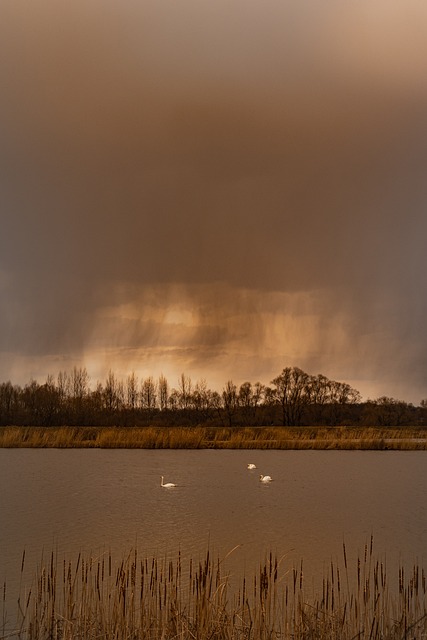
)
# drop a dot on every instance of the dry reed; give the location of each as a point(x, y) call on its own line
point(159, 598)
point(362, 438)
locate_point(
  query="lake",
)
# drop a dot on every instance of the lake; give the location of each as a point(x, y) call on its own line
point(90, 501)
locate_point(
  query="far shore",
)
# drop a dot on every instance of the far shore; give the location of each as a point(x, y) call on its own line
point(213, 437)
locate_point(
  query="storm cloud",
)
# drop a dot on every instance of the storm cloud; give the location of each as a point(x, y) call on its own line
point(225, 188)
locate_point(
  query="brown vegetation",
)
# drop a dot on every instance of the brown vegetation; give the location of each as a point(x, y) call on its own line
point(202, 437)
point(160, 598)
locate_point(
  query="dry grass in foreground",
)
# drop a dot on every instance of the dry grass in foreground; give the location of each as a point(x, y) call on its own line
point(364, 438)
point(158, 599)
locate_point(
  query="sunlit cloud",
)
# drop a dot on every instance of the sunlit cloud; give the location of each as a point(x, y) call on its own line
point(225, 188)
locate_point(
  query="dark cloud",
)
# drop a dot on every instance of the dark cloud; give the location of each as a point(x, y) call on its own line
point(207, 150)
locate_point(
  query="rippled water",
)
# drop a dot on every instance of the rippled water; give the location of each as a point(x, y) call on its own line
point(96, 500)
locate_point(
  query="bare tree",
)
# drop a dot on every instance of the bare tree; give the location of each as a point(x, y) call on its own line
point(230, 401)
point(79, 390)
point(148, 393)
point(163, 392)
point(79, 382)
point(250, 397)
point(245, 394)
point(318, 390)
point(387, 412)
point(203, 399)
point(132, 391)
point(341, 395)
point(63, 383)
point(258, 393)
point(8, 401)
point(113, 393)
point(291, 392)
point(184, 392)
point(200, 395)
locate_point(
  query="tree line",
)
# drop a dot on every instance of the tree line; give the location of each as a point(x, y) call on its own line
point(293, 398)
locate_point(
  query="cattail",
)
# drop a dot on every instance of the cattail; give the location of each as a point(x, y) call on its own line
point(141, 595)
point(93, 609)
point(358, 573)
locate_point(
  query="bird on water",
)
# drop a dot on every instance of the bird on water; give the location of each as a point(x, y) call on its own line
point(265, 478)
point(168, 485)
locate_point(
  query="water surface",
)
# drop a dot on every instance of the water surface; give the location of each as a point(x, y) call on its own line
point(97, 500)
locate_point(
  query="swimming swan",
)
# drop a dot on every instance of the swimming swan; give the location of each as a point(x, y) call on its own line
point(265, 478)
point(168, 485)
point(251, 466)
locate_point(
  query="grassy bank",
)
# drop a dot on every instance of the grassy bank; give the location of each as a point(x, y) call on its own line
point(160, 598)
point(405, 438)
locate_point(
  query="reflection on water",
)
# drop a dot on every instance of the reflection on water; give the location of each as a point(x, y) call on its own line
point(100, 500)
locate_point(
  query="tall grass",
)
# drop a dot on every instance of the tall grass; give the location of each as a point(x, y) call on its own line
point(362, 438)
point(99, 598)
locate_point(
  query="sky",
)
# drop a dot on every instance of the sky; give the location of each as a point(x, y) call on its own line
point(221, 189)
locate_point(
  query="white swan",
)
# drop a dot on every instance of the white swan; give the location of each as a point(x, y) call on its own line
point(168, 485)
point(251, 466)
point(265, 478)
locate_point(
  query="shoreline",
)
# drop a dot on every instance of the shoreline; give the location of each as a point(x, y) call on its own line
point(204, 437)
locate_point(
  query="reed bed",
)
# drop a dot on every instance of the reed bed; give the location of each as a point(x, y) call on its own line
point(201, 437)
point(98, 598)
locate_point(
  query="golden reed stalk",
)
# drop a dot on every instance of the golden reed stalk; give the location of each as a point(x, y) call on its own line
point(363, 438)
point(99, 598)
